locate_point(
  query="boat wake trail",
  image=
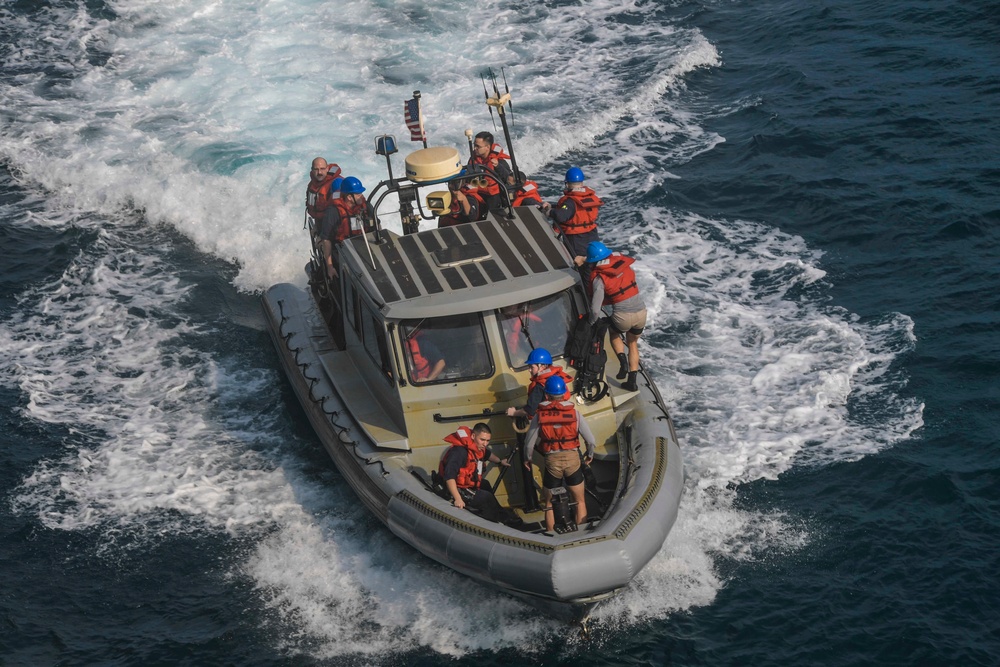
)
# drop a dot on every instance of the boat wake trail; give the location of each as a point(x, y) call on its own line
point(165, 121)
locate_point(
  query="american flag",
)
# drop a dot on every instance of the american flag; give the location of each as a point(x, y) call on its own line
point(414, 119)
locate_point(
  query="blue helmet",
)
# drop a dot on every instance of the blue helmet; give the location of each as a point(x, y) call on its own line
point(574, 175)
point(351, 186)
point(335, 185)
point(555, 386)
point(540, 356)
point(596, 251)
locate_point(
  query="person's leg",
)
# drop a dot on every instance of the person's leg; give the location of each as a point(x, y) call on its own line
point(550, 517)
point(632, 341)
point(581, 503)
point(486, 505)
point(573, 472)
point(617, 329)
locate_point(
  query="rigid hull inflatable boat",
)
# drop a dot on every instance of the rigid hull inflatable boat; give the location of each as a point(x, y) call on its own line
point(485, 293)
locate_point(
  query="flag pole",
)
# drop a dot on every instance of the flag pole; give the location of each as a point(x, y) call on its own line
point(420, 117)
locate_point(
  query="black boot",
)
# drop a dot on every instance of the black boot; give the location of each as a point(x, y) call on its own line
point(630, 385)
point(623, 371)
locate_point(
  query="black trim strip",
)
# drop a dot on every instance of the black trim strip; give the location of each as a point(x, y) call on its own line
point(545, 239)
point(493, 271)
point(379, 277)
point(453, 277)
point(420, 265)
point(502, 251)
point(475, 276)
point(513, 232)
point(399, 270)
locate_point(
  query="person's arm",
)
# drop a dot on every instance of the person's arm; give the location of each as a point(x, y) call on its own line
point(588, 437)
point(436, 370)
point(493, 458)
point(434, 357)
point(474, 212)
point(564, 213)
point(530, 440)
point(456, 497)
point(503, 171)
point(463, 202)
point(597, 300)
point(534, 398)
point(452, 463)
point(329, 229)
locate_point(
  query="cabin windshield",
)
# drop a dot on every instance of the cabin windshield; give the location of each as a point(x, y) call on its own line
point(446, 349)
point(541, 323)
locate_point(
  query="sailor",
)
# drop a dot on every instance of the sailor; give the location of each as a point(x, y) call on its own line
point(322, 189)
point(613, 283)
point(466, 205)
point(575, 214)
point(541, 368)
point(461, 468)
point(426, 360)
point(517, 322)
point(488, 155)
point(523, 192)
point(349, 215)
point(557, 428)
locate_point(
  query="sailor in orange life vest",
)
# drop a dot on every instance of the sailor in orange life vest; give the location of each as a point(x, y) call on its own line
point(557, 428)
point(426, 360)
point(465, 205)
point(321, 190)
point(461, 468)
point(541, 368)
point(490, 155)
point(575, 214)
point(522, 191)
point(612, 283)
point(349, 215)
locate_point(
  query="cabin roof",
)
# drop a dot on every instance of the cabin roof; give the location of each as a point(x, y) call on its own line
point(471, 267)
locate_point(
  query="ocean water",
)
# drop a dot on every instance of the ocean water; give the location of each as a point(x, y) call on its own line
point(812, 192)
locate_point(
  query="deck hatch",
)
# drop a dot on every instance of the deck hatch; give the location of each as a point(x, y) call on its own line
point(456, 255)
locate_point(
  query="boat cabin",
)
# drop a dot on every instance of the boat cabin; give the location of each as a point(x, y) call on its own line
point(434, 329)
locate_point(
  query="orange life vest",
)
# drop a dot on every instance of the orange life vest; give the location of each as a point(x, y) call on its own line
point(618, 277)
point(588, 205)
point(351, 217)
point(491, 162)
point(319, 196)
point(517, 325)
point(421, 367)
point(526, 194)
point(469, 475)
point(545, 375)
point(557, 422)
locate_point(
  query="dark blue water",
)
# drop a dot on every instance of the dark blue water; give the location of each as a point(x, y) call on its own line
point(860, 140)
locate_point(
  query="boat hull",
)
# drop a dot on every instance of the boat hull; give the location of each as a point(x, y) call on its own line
point(567, 575)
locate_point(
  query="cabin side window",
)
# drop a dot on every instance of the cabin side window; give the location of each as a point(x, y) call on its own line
point(374, 339)
point(446, 349)
point(544, 323)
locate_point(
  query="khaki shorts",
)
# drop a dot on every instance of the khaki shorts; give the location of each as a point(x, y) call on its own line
point(632, 323)
point(561, 464)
